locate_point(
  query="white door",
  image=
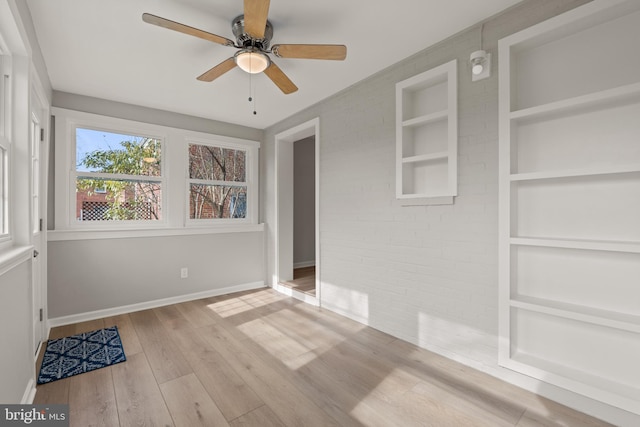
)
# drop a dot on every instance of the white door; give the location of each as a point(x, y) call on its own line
point(37, 167)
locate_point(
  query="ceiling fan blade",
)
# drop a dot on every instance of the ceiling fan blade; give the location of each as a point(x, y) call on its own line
point(336, 52)
point(181, 28)
point(218, 70)
point(255, 17)
point(280, 79)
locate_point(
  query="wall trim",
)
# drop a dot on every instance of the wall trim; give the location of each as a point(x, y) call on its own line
point(301, 296)
point(14, 257)
point(62, 235)
point(98, 314)
point(303, 264)
point(29, 393)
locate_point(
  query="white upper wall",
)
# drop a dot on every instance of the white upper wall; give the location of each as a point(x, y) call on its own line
point(425, 274)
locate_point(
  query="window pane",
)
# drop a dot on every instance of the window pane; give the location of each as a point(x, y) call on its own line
point(217, 201)
point(108, 152)
point(117, 200)
point(216, 164)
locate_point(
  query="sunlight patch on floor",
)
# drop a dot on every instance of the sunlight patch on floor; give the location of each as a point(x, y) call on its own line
point(230, 307)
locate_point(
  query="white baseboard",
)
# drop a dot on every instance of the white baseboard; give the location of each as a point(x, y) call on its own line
point(98, 314)
point(303, 264)
point(309, 299)
point(29, 393)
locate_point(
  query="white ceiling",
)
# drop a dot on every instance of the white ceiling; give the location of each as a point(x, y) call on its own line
point(103, 49)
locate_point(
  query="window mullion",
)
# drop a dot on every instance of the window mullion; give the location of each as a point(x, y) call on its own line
point(117, 176)
point(221, 183)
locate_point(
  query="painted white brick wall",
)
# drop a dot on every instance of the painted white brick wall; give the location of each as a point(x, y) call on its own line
point(425, 274)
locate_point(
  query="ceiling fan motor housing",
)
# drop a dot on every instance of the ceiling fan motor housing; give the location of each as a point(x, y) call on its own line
point(244, 39)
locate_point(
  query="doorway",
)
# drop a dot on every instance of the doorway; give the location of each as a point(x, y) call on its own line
point(297, 269)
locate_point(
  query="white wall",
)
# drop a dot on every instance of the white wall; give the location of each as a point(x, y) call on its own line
point(16, 351)
point(425, 274)
point(17, 374)
point(304, 202)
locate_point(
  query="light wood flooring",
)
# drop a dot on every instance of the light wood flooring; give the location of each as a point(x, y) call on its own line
point(258, 358)
point(304, 280)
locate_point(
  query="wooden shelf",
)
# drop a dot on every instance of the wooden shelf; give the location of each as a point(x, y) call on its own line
point(618, 95)
point(426, 119)
point(426, 157)
point(595, 245)
point(612, 319)
point(571, 173)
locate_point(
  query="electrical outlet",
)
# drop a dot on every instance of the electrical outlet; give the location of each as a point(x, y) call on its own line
point(184, 272)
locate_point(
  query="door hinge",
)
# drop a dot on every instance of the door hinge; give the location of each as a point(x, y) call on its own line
point(41, 315)
point(35, 253)
point(40, 224)
point(41, 134)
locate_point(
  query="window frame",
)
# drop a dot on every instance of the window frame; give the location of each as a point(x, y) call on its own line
point(175, 210)
point(250, 148)
point(6, 110)
point(75, 175)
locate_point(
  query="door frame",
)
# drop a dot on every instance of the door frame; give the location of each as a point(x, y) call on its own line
point(284, 208)
point(39, 111)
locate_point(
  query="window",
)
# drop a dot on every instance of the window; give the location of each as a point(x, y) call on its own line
point(118, 176)
point(137, 178)
point(217, 182)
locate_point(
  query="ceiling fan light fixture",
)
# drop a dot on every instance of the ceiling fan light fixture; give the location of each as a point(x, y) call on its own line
point(251, 61)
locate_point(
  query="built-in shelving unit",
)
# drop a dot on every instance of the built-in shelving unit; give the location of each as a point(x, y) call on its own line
point(427, 136)
point(570, 202)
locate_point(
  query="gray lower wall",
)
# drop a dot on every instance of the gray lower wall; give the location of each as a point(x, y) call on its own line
point(90, 275)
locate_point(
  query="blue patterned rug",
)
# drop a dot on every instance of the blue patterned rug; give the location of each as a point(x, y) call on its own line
point(81, 353)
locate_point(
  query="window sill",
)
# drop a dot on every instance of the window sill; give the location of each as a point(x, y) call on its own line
point(62, 235)
point(13, 256)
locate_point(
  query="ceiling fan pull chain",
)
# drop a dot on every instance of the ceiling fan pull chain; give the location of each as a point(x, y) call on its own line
point(254, 101)
point(252, 94)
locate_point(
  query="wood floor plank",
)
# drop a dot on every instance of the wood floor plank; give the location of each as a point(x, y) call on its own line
point(258, 358)
point(93, 389)
point(263, 417)
point(230, 392)
point(62, 331)
point(278, 344)
point(89, 326)
point(276, 390)
point(138, 395)
point(189, 403)
point(171, 317)
point(552, 414)
point(194, 312)
point(128, 336)
point(53, 392)
point(165, 358)
point(484, 391)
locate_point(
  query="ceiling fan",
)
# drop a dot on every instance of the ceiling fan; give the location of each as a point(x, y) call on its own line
point(253, 34)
